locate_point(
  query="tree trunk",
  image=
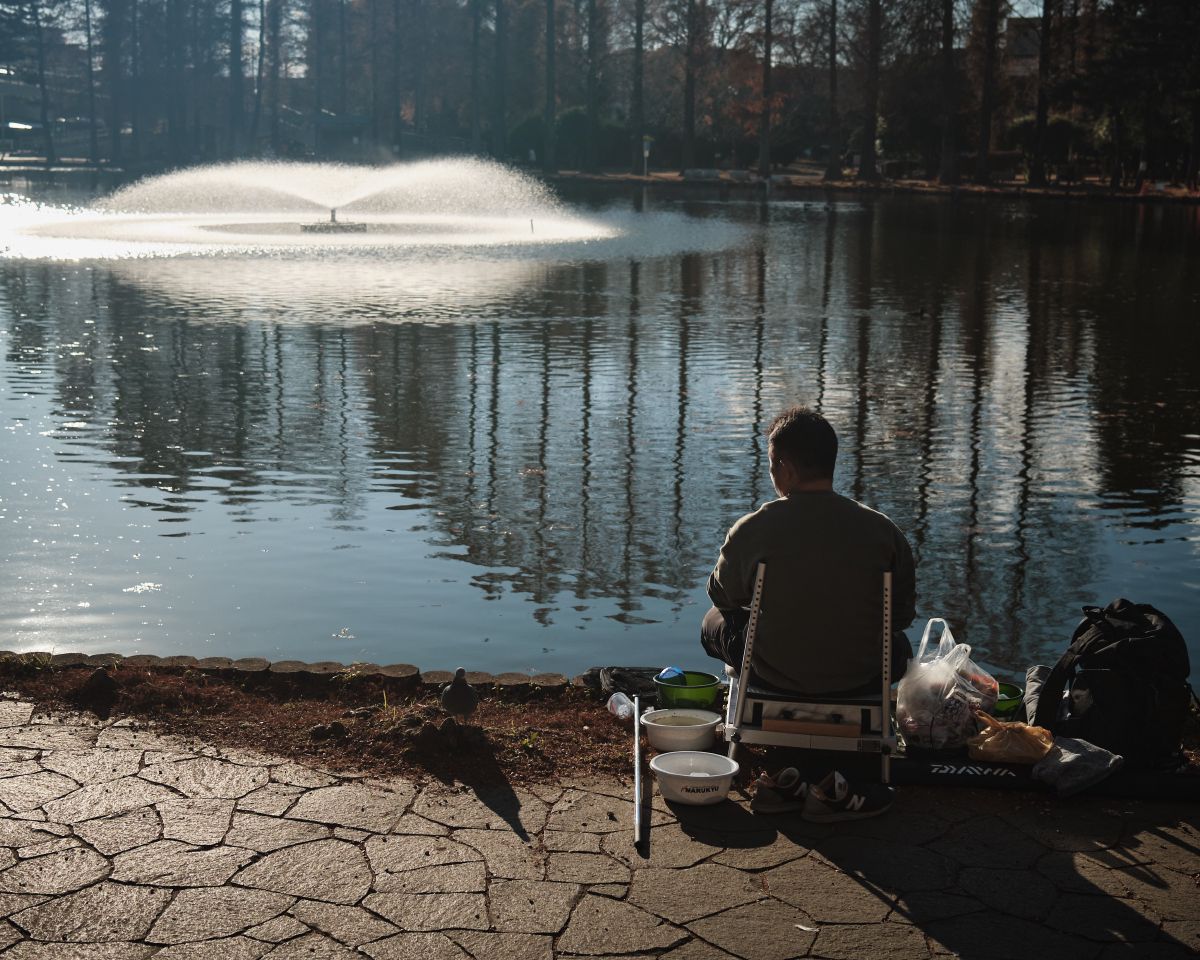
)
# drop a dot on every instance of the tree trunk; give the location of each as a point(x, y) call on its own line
point(476, 18)
point(868, 168)
point(833, 164)
point(764, 120)
point(948, 168)
point(397, 78)
point(689, 89)
point(991, 29)
point(1118, 124)
point(275, 51)
point(500, 125)
point(1037, 169)
point(591, 160)
point(43, 94)
point(259, 73)
point(420, 106)
point(317, 52)
point(176, 85)
point(637, 108)
point(112, 39)
point(135, 72)
point(373, 59)
point(237, 74)
point(93, 139)
point(550, 111)
point(343, 59)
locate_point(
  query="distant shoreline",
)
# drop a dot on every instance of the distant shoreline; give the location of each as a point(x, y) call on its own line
point(727, 183)
point(792, 185)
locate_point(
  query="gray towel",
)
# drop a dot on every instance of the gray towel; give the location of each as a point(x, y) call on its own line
point(1035, 679)
point(1074, 765)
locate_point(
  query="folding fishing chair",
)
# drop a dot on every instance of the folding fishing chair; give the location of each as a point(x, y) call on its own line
point(756, 713)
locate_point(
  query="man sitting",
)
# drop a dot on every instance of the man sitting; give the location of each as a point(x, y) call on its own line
point(818, 634)
point(819, 630)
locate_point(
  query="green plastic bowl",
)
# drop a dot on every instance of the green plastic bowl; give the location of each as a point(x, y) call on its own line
point(694, 689)
point(1011, 698)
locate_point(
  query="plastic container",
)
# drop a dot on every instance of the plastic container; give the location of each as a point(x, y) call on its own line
point(680, 729)
point(1008, 702)
point(693, 777)
point(692, 688)
point(620, 706)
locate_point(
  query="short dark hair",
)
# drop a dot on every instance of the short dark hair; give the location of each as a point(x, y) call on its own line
point(806, 440)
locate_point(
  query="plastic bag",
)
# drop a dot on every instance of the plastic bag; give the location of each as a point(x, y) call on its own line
point(940, 692)
point(1009, 741)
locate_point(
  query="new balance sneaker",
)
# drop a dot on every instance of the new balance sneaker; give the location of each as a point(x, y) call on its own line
point(779, 794)
point(835, 798)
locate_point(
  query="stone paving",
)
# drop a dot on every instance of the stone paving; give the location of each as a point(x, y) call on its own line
point(118, 843)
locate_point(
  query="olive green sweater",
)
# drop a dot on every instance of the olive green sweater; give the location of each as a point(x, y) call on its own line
point(820, 625)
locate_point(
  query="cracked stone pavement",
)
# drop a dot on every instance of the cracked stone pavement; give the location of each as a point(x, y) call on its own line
point(116, 842)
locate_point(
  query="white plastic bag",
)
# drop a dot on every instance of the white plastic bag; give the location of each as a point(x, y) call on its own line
point(940, 692)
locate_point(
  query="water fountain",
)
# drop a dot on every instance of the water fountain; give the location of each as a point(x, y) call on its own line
point(243, 208)
point(431, 239)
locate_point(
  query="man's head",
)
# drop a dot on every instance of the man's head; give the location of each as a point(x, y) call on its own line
point(802, 447)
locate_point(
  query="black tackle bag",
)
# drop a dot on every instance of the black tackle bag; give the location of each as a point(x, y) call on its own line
point(1126, 674)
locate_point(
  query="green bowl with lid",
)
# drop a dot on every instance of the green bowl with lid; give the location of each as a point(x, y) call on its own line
point(693, 689)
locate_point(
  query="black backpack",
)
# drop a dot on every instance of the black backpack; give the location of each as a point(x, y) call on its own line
point(1127, 676)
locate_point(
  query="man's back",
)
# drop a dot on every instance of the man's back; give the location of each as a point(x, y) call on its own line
point(819, 628)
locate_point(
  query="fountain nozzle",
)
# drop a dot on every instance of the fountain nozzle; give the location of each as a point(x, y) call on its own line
point(333, 225)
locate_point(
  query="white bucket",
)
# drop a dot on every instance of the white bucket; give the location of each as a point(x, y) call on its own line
point(693, 776)
point(680, 729)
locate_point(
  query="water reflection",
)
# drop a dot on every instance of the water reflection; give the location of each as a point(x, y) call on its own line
point(554, 472)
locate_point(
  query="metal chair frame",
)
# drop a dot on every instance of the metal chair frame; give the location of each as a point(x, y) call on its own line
point(876, 733)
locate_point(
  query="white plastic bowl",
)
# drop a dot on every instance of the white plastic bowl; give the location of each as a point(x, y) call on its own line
point(680, 729)
point(693, 777)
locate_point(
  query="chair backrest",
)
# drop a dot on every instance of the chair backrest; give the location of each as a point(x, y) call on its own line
point(744, 673)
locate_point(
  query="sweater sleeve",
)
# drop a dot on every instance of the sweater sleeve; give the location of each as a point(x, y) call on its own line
point(731, 584)
point(904, 595)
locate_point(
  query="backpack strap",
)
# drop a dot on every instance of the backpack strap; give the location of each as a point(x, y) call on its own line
point(1083, 641)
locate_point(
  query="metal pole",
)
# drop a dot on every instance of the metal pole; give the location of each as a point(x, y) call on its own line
point(637, 771)
point(885, 718)
point(739, 701)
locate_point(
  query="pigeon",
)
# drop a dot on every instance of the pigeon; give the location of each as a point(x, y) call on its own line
point(459, 697)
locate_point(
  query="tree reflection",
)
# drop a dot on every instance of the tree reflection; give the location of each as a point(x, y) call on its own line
point(996, 373)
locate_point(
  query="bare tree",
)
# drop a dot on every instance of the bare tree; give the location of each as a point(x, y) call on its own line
point(764, 124)
point(868, 168)
point(833, 164)
point(237, 73)
point(990, 10)
point(476, 25)
point(36, 16)
point(500, 123)
point(637, 107)
point(550, 111)
point(690, 56)
point(1037, 168)
point(948, 167)
point(93, 139)
point(592, 95)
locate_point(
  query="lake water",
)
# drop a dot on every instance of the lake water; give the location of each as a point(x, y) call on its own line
point(526, 460)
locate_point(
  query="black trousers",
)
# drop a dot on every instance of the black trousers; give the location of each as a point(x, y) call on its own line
point(723, 635)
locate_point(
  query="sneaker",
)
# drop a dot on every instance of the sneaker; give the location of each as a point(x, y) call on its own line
point(781, 793)
point(835, 798)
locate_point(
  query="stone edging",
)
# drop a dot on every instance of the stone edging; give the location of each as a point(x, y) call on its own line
point(249, 668)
